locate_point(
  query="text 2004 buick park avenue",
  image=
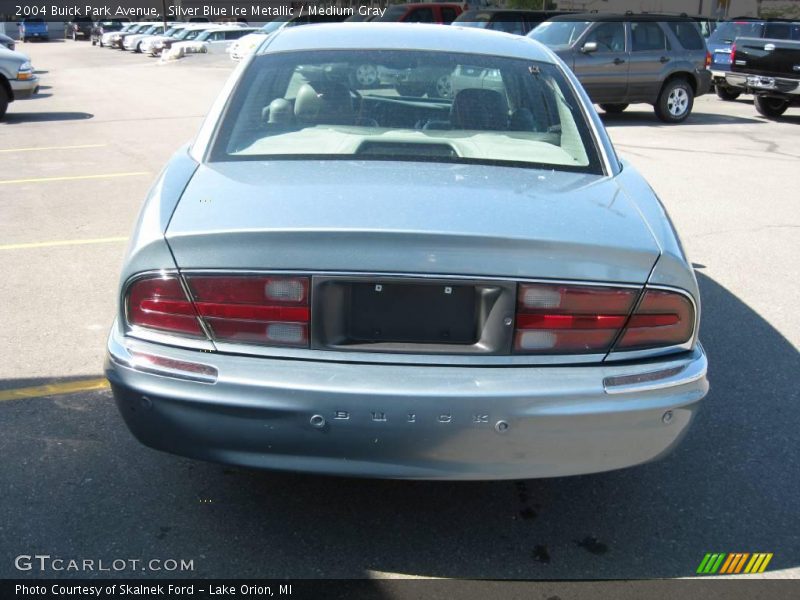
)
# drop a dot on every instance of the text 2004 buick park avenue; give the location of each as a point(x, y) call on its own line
point(349, 280)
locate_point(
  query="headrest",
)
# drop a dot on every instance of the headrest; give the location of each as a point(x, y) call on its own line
point(475, 108)
point(279, 111)
point(326, 103)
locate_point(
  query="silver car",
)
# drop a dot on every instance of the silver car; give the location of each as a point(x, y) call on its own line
point(359, 282)
point(18, 79)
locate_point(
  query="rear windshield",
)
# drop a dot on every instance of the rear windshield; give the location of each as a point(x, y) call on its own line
point(406, 105)
point(559, 33)
point(782, 31)
point(273, 25)
point(688, 34)
point(729, 30)
point(189, 34)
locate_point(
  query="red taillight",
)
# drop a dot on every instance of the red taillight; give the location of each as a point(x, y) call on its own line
point(733, 53)
point(574, 319)
point(708, 59)
point(254, 309)
point(566, 319)
point(160, 303)
point(663, 318)
point(247, 309)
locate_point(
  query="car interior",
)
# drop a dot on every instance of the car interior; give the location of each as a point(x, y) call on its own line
point(491, 111)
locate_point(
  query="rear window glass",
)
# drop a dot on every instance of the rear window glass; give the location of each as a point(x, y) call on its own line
point(688, 34)
point(782, 31)
point(728, 31)
point(647, 36)
point(559, 33)
point(406, 105)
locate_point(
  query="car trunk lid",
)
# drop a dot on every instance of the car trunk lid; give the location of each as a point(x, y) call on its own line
point(395, 217)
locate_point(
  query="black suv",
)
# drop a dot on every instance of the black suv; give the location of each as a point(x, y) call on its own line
point(720, 44)
point(80, 28)
point(625, 59)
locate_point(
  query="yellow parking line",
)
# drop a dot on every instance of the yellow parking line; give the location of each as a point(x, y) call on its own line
point(8, 150)
point(73, 178)
point(54, 389)
point(107, 240)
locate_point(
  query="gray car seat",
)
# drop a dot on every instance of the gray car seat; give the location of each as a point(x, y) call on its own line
point(483, 109)
point(326, 103)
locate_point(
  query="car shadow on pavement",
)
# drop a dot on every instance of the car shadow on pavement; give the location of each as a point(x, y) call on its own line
point(81, 486)
point(632, 117)
point(15, 118)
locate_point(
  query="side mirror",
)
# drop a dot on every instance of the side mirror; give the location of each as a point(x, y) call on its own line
point(589, 47)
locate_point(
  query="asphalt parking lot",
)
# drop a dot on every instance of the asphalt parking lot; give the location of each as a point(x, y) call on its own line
point(75, 164)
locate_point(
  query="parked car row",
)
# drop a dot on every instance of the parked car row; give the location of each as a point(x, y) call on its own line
point(170, 41)
point(621, 59)
point(510, 21)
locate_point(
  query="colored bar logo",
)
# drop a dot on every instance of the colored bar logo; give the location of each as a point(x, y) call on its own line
point(732, 563)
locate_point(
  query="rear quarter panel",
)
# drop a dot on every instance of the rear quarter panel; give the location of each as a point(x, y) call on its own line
point(673, 267)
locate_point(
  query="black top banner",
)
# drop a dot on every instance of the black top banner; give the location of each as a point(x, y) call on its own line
point(176, 10)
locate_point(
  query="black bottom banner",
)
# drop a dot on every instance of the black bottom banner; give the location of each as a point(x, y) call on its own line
point(395, 589)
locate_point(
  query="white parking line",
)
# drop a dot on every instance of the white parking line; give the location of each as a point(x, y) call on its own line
point(10, 150)
point(73, 178)
point(108, 240)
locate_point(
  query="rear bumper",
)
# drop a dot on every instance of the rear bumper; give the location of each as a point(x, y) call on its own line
point(402, 421)
point(777, 86)
point(703, 82)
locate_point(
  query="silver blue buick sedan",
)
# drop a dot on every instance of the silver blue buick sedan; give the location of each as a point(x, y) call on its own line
point(410, 279)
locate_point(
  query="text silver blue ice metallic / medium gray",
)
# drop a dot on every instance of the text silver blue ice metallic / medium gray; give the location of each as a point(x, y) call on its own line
point(410, 280)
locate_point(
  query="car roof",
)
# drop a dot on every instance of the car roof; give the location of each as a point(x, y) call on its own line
point(614, 17)
point(404, 36)
point(228, 28)
point(761, 20)
point(513, 11)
